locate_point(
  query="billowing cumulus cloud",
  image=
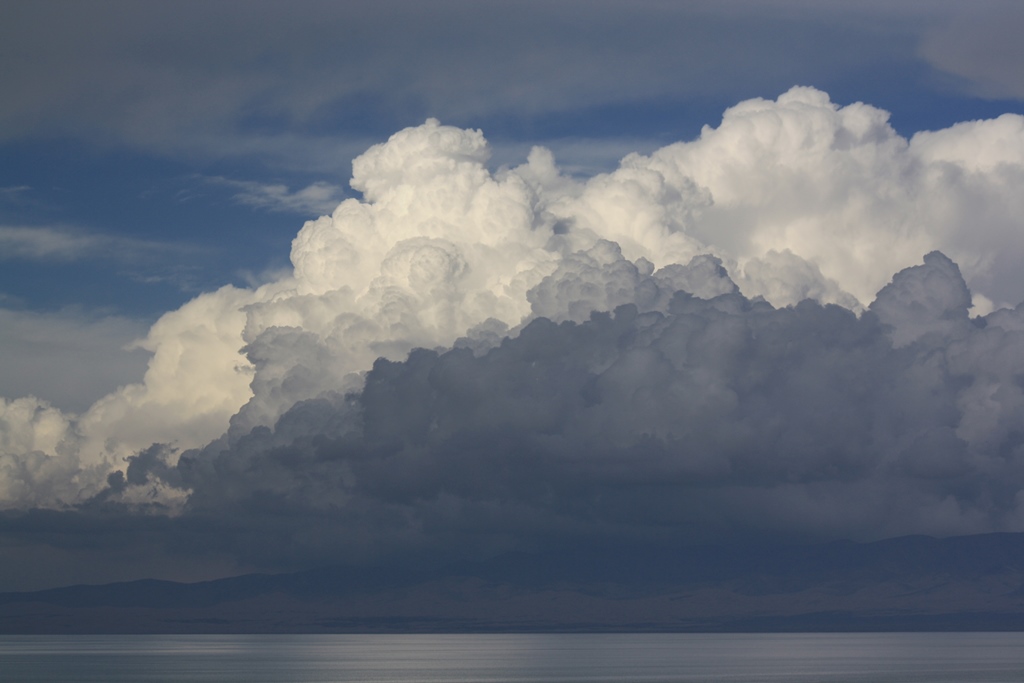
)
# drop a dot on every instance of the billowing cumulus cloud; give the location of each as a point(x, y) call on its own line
point(735, 334)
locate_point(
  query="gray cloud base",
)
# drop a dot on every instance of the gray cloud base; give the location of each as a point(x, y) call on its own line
point(674, 419)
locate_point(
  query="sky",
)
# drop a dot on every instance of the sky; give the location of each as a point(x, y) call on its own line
point(284, 286)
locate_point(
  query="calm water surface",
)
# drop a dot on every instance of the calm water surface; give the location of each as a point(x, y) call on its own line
point(732, 658)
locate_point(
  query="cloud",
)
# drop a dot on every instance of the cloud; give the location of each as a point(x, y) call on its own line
point(205, 81)
point(709, 416)
point(979, 49)
point(709, 420)
point(315, 199)
point(42, 243)
point(730, 335)
point(140, 260)
point(13, 193)
point(65, 244)
point(69, 358)
point(578, 157)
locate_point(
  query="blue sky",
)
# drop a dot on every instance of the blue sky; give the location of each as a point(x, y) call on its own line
point(152, 153)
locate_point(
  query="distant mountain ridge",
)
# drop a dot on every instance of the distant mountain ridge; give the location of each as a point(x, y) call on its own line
point(909, 583)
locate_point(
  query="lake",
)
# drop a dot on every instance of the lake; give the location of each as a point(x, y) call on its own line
point(494, 658)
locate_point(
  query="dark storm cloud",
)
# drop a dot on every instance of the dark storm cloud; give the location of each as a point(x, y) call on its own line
point(716, 419)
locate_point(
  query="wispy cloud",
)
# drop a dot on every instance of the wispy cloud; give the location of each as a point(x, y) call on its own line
point(66, 244)
point(317, 198)
point(13, 191)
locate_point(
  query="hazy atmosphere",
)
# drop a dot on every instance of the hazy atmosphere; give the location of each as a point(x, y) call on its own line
point(409, 283)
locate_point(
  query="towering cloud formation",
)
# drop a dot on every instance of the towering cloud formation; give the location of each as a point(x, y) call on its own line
point(750, 365)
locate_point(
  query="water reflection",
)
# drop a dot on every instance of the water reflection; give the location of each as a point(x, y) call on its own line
point(494, 658)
